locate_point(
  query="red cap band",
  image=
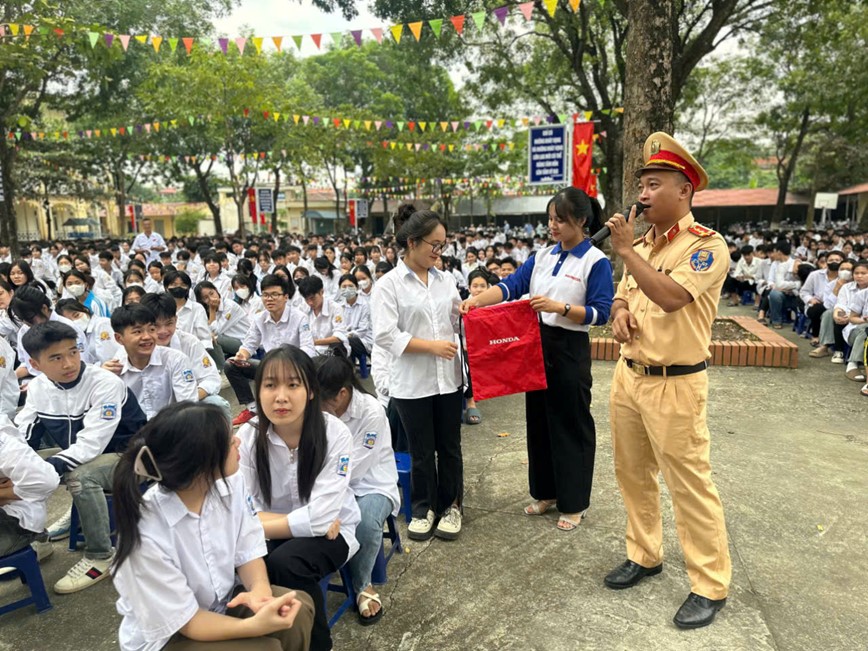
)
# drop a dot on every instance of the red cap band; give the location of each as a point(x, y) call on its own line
point(670, 159)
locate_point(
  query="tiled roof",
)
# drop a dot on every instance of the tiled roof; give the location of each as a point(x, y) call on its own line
point(856, 189)
point(742, 197)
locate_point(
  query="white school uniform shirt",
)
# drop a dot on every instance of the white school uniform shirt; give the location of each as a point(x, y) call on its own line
point(204, 368)
point(222, 282)
point(81, 340)
point(266, 333)
point(381, 363)
point(152, 286)
point(101, 343)
point(402, 307)
point(142, 241)
point(168, 378)
point(231, 320)
point(192, 318)
point(185, 562)
point(330, 285)
point(34, 479)
point(374, 469)
point(749, 271)
point(9, 391)
point(106, 289)
point(358, 320)
point(331, 497)
point(815, 286)
point(328, 323)
point(858, 304)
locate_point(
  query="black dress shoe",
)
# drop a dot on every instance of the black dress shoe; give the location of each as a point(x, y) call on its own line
point(628, 574)
point(697, 611)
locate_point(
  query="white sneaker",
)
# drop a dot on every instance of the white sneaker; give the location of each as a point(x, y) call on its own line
point(838, 357)
point(43, 550)
point(450, 524)
point(59, 529)
point(82, 575)
point(421, 528)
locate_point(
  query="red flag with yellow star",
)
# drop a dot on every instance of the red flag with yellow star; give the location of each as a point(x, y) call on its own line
point(583, 149)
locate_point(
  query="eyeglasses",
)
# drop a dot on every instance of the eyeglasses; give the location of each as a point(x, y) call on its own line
point(436, 247)
point(271, 296)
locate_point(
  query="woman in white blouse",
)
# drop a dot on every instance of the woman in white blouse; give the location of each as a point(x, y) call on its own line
point(415, 316)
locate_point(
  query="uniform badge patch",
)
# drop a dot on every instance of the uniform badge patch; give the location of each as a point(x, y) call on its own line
point(701, 260)
point(2, 362)
point(188, 375)
point(305, 327)
point(103, 336)
point(338, 319)
point(109, 412)
point(250, 506)
point(344, 465)
point(370, 440)
point(228, 315)
point(206, 361)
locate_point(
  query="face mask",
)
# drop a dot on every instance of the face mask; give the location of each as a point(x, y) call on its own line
point(83, 322)
point(243, 293)
point(76, 290)
point(64, 268)
point(179, 292)
point(833, 266)
point(135, 285)
point(349, 293)
point(846, 275)
point(364, 284)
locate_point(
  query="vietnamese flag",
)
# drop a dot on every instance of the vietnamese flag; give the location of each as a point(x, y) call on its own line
point(583, 150)
point(593, 190)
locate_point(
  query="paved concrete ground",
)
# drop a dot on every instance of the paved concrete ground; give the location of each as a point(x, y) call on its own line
point(790, 455)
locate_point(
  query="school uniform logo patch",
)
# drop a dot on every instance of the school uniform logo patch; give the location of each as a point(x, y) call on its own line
point(228, 315)
point(2, 362)
point(344, 465)
point(370, 440)
point(338, 319)
point(701, 260)
point(188, 376)
point(109, 412)
point(103, 336)
point(250, 506)
point(206, 361)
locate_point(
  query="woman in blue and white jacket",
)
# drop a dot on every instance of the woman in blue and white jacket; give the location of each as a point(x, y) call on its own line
point(570, 286)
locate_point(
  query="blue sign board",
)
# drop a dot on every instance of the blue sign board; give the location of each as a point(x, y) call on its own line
point(547, 155)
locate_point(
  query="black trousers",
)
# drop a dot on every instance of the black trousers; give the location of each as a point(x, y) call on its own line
point(840, 343)
point(358, 347)
point(561, 436)
point(433, 427)
point(815, 314)
point(240, 378)
point(300, 564)
point(399, 434)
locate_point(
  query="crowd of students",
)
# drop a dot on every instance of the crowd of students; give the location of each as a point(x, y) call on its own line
point(820, 274)
point(97, 339)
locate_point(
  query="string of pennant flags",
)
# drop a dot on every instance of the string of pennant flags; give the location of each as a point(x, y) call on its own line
point(457, 24)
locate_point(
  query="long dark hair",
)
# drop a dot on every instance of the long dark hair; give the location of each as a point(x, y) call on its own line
point(189, 441)
point(335, 372)
point(574, 205)
point(24, 267)
point(280, 363)
point(418, 226)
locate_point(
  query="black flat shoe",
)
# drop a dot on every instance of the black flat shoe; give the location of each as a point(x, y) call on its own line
point(697, 611)
point(628, 574)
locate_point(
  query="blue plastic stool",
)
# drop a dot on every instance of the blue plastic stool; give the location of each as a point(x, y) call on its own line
point(402, 460)
point(345, 588)
point(364, 371)
point(378, 574)
point(76, 535)
point(747, 298)
point(26, 566)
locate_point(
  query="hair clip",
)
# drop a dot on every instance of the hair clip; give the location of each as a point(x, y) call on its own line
point(139, 465)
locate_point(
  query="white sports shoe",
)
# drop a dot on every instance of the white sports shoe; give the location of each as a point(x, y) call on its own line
point(421, 528)
point(450, 524)
point(59, 529)
point(838, 357)
point(82, 575)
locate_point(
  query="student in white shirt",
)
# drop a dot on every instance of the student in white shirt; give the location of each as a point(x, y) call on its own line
point(105, 289)
point(9, 391)
point(148, 243)
point(191, 316)
point(374, 475)
point(26, 482)
point(570, 286)
point(297, 465)
point(79, 286)
point(101, 344)
point(189, 570)
point(215, 274)
point(244, 293)
point(784, 284)
point(365, 276)
point(227, 320)
point(204, 367)
point(277, 325)
point(851, 279)
point(156, 375)
point(745, 276)
point(325, 271)
point(357, 316)
point(325, 316)
point(415, 318)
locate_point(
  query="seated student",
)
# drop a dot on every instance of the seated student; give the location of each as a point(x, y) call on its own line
point(814, 289)
point(837, 316)
point(154, 279)
point(9, 391)
point(102, 286)
point(855, 334)
point(203, 365)
point(326, 317)
point(382, 269)
point(156, 375)
point(744, 278)
point(227, 320)
point(31, 307)
point(112, 269)
point(79, 286)
point(325, 271)
point(26, 481)
point(374, 479)
point(480, 280)
point(278, 324)
point(214, 274)
point(784, 284)
point(297, 464)
point(184, 545)
point(90, 415)
point(357, 316)
point(132, 294)
point(244, 287)
point(366, 281)
point(101, 344)
point(191, 316)
point(508, 267)
point(493, 266)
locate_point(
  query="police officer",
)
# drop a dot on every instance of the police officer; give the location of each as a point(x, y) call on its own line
point(662, 315)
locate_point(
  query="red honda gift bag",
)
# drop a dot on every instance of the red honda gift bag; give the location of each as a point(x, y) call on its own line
point(504, 350)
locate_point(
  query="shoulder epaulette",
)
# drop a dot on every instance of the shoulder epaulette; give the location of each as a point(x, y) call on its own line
point(701, 231)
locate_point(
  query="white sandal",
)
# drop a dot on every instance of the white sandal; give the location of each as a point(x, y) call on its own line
point(363, 602)
point(539, 507)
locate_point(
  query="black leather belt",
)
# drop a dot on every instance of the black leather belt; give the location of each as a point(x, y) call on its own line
point(665, 371)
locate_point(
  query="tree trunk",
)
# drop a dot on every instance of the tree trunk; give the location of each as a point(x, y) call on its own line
point(785, 171)
point(202, 180)
point(305, 224)
point(274, 228)
point(8, 222)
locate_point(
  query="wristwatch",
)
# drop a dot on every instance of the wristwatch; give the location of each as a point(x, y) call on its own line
point(567, 309)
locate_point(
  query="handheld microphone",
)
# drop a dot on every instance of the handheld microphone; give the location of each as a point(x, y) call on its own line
point(604, 232)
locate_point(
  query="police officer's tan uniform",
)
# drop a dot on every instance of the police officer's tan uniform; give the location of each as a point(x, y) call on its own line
point(659, 420)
